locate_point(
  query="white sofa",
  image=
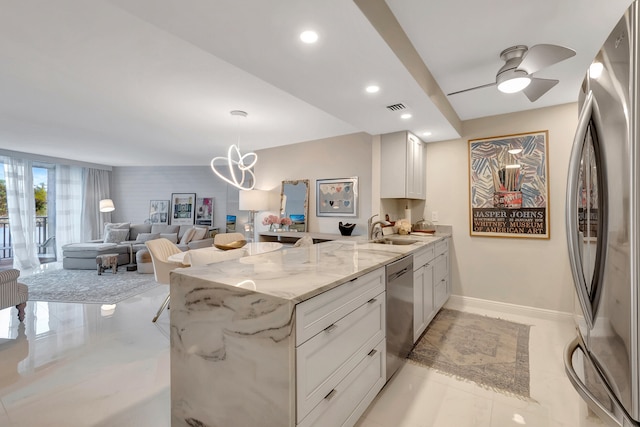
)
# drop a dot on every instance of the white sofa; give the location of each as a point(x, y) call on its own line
point(127, 240)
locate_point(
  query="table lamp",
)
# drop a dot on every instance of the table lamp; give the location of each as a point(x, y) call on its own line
point(252, 201)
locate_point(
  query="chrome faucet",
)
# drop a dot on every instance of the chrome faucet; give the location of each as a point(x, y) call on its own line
point(371, 226)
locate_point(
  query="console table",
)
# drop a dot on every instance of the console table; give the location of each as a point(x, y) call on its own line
point(292, 236)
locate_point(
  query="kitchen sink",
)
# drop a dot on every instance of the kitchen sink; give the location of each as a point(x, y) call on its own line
point(387, 241)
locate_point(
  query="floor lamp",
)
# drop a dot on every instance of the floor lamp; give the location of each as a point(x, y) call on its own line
point(253, 201)
point(106, 205)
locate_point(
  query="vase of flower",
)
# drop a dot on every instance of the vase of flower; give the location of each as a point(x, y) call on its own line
point(272, 221)
point(285, 222)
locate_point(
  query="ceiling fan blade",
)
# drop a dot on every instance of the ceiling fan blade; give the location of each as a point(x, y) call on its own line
point(538, 87)
point(543, 55)
point(471, 88)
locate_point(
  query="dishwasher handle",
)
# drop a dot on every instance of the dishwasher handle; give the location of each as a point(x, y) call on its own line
point(397, 274)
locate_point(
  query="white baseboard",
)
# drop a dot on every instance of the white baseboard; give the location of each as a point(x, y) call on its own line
point(457, 302)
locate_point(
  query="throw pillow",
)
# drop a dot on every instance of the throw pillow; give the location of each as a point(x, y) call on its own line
point(143, 237)
point(172, 237)
point(166, 229)
point(187, 236)
point(199, 234)
point(116, 236)
point(117, 226)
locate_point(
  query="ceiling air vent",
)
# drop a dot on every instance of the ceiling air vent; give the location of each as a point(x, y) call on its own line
point(396, 107)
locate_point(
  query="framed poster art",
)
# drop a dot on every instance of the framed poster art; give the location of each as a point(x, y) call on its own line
point(337, 197)
point(159, 211)
point(204, 210)
point(509, 186)
point(183, 208)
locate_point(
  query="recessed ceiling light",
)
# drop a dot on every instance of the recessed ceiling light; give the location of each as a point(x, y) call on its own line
point(373, 89)
point(426, 133)
point(309, 36)
point(405, 116)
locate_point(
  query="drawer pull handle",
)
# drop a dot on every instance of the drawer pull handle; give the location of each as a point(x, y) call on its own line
point(372, 352)
point(372, 300)
point(331, 394)
point(331, 327)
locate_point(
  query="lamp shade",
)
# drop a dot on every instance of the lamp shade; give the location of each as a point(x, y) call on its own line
point(253, 200)
point(106, 205)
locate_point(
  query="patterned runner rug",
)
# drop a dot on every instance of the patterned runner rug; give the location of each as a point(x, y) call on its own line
point(85, 286)
point(492, 353)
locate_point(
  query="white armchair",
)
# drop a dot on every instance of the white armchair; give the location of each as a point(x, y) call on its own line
point(13, 293)
point(160, 250)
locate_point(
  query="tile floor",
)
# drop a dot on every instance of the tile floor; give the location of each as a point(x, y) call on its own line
point(80, 365)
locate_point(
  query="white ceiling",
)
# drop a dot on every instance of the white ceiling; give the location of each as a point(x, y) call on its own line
point(152, 82)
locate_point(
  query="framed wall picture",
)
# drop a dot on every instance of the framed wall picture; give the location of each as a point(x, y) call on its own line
point(509, 186)
point(204, 210)
point(183, 208)
point(337, 197)
point(159, 211)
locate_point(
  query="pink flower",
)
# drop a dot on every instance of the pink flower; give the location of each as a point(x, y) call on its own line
point(271, 219)
point(286, 221)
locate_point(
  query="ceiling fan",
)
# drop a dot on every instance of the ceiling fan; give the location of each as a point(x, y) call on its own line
point(520, 63)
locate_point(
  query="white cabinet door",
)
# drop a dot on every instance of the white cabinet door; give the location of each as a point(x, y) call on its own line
point(403, 166)
point(423, 309)
point(419, 323)
point(416, 168)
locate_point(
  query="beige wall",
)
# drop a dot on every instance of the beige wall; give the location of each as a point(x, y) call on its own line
point(526, 272)
point(339, 157)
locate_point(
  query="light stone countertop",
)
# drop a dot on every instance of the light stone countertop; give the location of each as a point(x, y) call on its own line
point(233, 328)
point(297, 274)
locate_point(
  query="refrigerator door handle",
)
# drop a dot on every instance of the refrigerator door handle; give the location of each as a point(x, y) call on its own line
point(592, 402)
point(573, 235)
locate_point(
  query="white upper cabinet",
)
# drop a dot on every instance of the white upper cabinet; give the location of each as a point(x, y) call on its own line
point(403, 166)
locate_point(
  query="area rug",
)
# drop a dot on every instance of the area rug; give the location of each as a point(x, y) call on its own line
point(85, 286)
point(492, 353)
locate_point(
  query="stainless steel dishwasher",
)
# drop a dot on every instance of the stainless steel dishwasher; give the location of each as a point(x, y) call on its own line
point(399, 307)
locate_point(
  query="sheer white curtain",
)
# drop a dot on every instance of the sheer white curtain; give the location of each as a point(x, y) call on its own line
point(68, 206)
point(96, 188)
point(22, 212)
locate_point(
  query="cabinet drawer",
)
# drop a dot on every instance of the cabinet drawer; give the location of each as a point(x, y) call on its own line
point(423, 256)
point(441, 267)
point(442, 247)
point(441, 292)
point(345, 403)
point(324, 360)
point(316, 314)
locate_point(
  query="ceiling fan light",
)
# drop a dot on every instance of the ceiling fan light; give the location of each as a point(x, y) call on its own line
point(514, 85)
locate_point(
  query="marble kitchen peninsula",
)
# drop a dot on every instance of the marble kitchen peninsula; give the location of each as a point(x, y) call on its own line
point(233, 331)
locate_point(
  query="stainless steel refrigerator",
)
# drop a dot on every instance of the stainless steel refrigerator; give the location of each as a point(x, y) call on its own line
point(603, 230)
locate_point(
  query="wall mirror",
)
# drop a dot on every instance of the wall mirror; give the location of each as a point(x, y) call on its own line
point(294, 203)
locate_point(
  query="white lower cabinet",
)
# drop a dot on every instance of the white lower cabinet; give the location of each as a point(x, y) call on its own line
point(422, 298)
point(340, 352)
point(346, 403)
point(431, 287)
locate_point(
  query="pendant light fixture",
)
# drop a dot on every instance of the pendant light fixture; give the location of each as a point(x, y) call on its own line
point(240, 174)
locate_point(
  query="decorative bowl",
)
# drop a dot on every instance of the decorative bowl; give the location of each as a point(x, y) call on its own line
point(231, 245)
point(346, 229)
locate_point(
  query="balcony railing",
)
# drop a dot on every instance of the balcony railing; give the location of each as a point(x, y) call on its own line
point(46, 246)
